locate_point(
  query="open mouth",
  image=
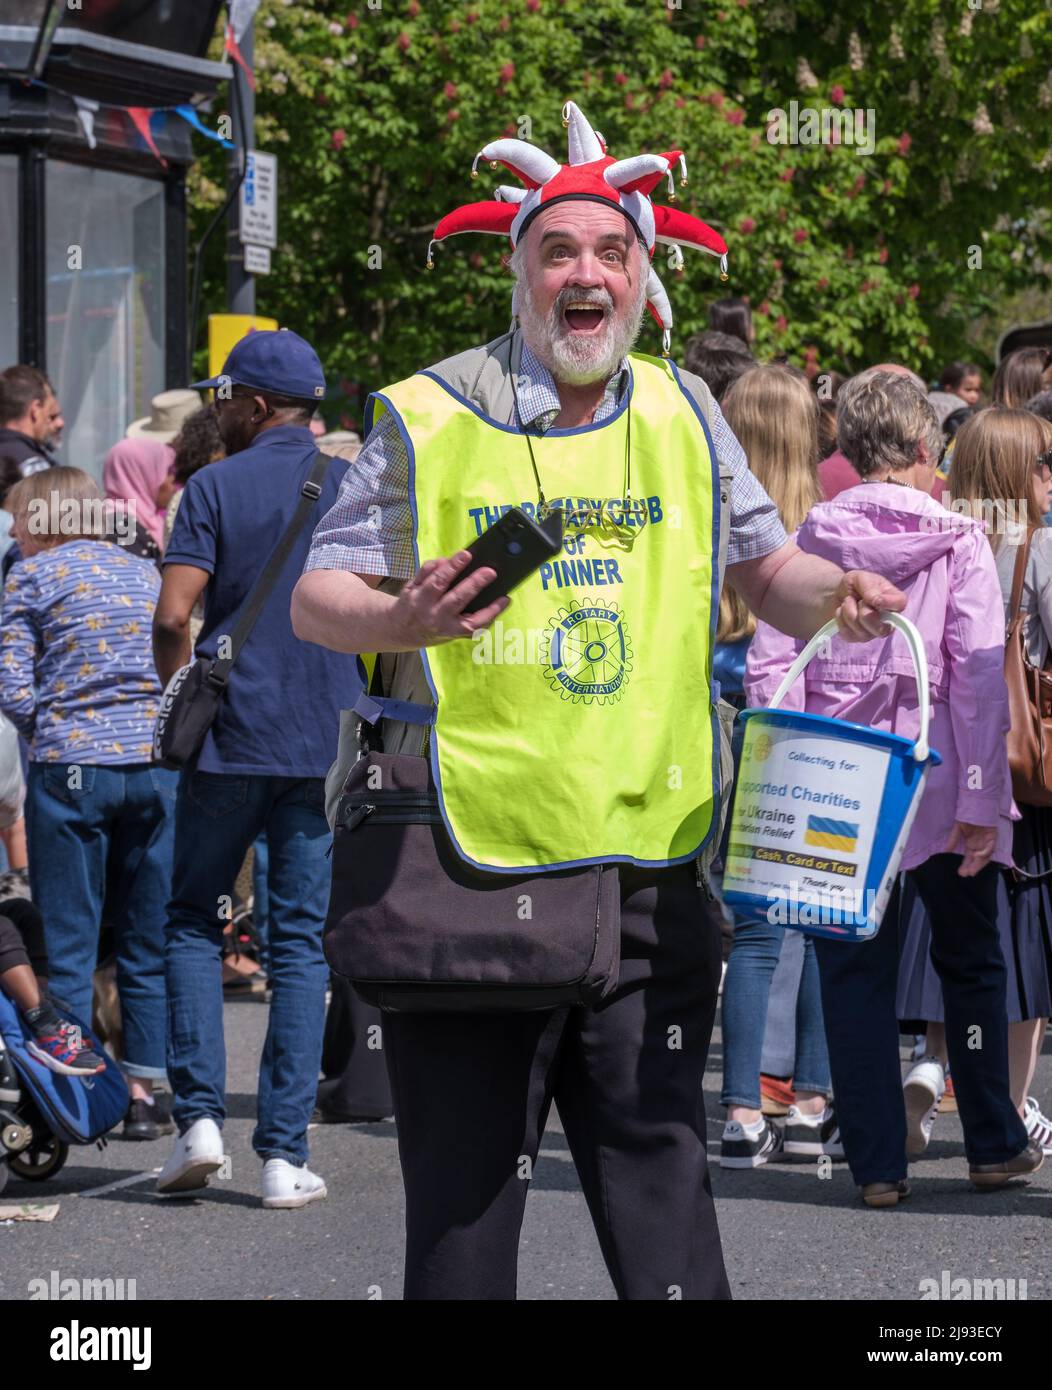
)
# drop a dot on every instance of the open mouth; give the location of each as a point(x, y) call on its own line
point(584, 318)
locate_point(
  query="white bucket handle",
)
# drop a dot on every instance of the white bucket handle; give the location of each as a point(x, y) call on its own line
point(920, 666)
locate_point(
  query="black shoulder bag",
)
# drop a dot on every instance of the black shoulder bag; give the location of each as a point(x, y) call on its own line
point(191, 699)
point(417, 930)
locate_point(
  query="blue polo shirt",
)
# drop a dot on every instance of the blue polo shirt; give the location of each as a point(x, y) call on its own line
point(281, 714)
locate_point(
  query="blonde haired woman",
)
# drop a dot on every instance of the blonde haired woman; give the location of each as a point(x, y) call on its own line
point(1002, 469)
point(774, 414)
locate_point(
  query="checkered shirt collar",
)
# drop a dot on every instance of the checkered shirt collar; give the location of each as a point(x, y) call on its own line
point(539, 402)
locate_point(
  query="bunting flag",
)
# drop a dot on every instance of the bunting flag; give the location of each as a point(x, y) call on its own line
point(231, 47)
point(140, 118)
point(86, 110)
point(242, 12)
point(192, 118)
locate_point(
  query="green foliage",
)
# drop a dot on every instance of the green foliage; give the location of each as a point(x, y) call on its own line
point(847, 258)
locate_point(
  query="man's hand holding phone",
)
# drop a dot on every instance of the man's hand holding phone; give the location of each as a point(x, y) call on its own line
point(430, 608)
point(434, 607)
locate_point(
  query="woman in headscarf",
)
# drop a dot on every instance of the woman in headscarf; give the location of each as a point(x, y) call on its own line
point(132, 472)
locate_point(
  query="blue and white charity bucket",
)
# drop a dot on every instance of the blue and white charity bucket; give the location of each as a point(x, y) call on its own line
point(823, 810)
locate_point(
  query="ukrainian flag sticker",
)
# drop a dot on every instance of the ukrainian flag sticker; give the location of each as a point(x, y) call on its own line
point(831, 834)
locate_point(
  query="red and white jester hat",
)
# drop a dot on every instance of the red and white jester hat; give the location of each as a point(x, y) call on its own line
point(591, 173)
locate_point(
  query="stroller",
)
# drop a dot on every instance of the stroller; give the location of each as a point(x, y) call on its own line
point(42, 1112)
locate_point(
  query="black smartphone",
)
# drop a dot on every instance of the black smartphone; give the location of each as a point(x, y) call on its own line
point(514, 546)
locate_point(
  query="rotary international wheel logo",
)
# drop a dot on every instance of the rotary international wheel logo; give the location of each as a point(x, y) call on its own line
point(589, 653)
point(761, 748)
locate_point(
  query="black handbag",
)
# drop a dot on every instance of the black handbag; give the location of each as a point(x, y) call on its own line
point(418, 930)
point(191, 698)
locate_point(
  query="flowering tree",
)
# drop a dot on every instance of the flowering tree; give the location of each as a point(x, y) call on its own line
point(911, 200)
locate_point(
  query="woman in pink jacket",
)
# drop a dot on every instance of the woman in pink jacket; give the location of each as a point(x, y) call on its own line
point(890, 524)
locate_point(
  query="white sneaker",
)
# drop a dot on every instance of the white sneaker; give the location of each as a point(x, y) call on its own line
point(197, 1155)
point(922, 1090)
point(285, 1185)
point(1038, 1126)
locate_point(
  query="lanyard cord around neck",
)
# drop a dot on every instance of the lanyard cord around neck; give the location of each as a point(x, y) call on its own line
point(542, 503)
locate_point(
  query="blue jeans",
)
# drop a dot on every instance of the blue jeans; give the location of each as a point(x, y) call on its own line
point(779, 1041)
point(261, 900)
point(91, 827)
point(218, 815)
point(746, 991)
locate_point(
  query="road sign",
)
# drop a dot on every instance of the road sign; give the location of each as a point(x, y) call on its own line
point(259, 200)
point(257, 259)
point(224, 330)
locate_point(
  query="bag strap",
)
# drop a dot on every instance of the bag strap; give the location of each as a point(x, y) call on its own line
point(261, 590)
point(1017, 579)
point(1021, 876)
point(373, 708)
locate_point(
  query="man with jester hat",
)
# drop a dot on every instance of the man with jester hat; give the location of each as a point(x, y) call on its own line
point(605, 750)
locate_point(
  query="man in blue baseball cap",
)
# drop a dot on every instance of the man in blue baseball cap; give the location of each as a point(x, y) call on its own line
point(268, 378)
point(261, 767)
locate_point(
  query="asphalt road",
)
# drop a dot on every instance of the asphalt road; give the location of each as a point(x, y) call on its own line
point(787, 1233)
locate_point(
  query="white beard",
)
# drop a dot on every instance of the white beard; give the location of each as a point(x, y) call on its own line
point(577, 360)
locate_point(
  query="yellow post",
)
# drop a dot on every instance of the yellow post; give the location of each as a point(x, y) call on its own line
point(224, 330)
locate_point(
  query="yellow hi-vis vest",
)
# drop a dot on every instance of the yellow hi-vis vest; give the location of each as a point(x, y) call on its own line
point(579, 727)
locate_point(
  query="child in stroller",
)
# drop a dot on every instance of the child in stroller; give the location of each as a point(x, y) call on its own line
point(23, 978)
point(46, 1065)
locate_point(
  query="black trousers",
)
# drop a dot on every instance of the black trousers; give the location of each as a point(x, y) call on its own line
point(472, 1093)
point(858, 1003)
point(352, 1059)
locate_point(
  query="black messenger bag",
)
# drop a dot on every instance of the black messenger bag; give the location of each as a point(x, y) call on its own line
point(416, 929)
point(192, 697)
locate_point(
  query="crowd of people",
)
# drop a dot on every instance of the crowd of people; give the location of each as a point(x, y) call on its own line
point(91, 823)
point(811, 1029)
point(118, 855)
